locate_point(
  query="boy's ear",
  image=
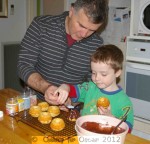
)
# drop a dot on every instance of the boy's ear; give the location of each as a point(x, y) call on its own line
point(118, 73)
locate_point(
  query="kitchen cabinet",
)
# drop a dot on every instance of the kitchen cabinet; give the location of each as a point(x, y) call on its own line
point(10, 54)
point(141, 128)
point(51, 7)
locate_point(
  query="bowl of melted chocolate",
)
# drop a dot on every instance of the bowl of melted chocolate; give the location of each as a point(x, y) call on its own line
point(101, 128)
point(100, 125)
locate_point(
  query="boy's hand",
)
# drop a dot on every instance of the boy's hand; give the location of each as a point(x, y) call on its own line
point(62, 92)
point(64, 106)
point(105, 111)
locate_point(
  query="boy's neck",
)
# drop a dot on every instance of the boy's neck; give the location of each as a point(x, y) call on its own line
point(112, 88)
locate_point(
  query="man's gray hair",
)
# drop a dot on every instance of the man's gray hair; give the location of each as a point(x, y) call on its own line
point(96, 10)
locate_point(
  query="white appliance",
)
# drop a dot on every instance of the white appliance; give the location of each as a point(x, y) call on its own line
point(137, 76)
point(144, 22)
point(140, 21)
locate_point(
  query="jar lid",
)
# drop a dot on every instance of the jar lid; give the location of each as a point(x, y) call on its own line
point(1, 114)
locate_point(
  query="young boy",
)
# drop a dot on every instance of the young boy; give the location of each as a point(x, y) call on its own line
point(106, 67)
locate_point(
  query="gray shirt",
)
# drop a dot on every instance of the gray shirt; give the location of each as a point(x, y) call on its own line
point(44, 49)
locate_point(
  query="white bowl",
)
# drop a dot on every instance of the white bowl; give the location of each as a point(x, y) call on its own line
point(78, 132)
point(100, 119)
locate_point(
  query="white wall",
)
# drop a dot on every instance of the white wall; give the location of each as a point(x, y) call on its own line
point(119, 3)
point(12, 29)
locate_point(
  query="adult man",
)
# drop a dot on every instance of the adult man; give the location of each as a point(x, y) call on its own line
point(57, 49)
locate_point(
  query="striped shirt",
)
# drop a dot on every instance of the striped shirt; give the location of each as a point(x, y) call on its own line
point(44, 49)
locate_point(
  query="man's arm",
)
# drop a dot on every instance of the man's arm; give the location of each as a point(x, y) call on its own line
point(36, 81)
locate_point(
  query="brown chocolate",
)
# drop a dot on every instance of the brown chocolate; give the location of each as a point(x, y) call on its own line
point(100, 128)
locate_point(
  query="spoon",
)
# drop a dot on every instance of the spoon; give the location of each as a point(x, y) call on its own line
point(70, 106)
point(124, 118)
point(78, 106)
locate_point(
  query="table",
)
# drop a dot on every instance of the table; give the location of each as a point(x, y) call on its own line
point(12, 132)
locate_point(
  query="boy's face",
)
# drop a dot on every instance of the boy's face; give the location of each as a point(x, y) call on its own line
point(104, 76)
point(79, 26)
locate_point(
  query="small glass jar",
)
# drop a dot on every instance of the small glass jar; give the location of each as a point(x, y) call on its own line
point(33, 98)
point(20, 103)
point(32, 95)
point(26, 99)
point(12, 106)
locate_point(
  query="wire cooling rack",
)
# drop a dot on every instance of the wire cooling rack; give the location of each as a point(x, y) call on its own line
point(67, 132)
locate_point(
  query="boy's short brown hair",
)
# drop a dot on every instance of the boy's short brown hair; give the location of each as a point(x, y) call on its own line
point(109, 54)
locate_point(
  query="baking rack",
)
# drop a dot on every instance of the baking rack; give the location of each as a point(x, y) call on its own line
point(66, 133)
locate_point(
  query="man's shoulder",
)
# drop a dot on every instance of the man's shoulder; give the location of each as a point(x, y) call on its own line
point(94, 41)
point(96, 36)
point(45, 19)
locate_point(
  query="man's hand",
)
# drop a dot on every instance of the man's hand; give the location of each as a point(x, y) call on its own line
point(62, 92)
point(49, 95)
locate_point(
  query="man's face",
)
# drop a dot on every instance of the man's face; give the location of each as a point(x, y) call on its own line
point(79, 26)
